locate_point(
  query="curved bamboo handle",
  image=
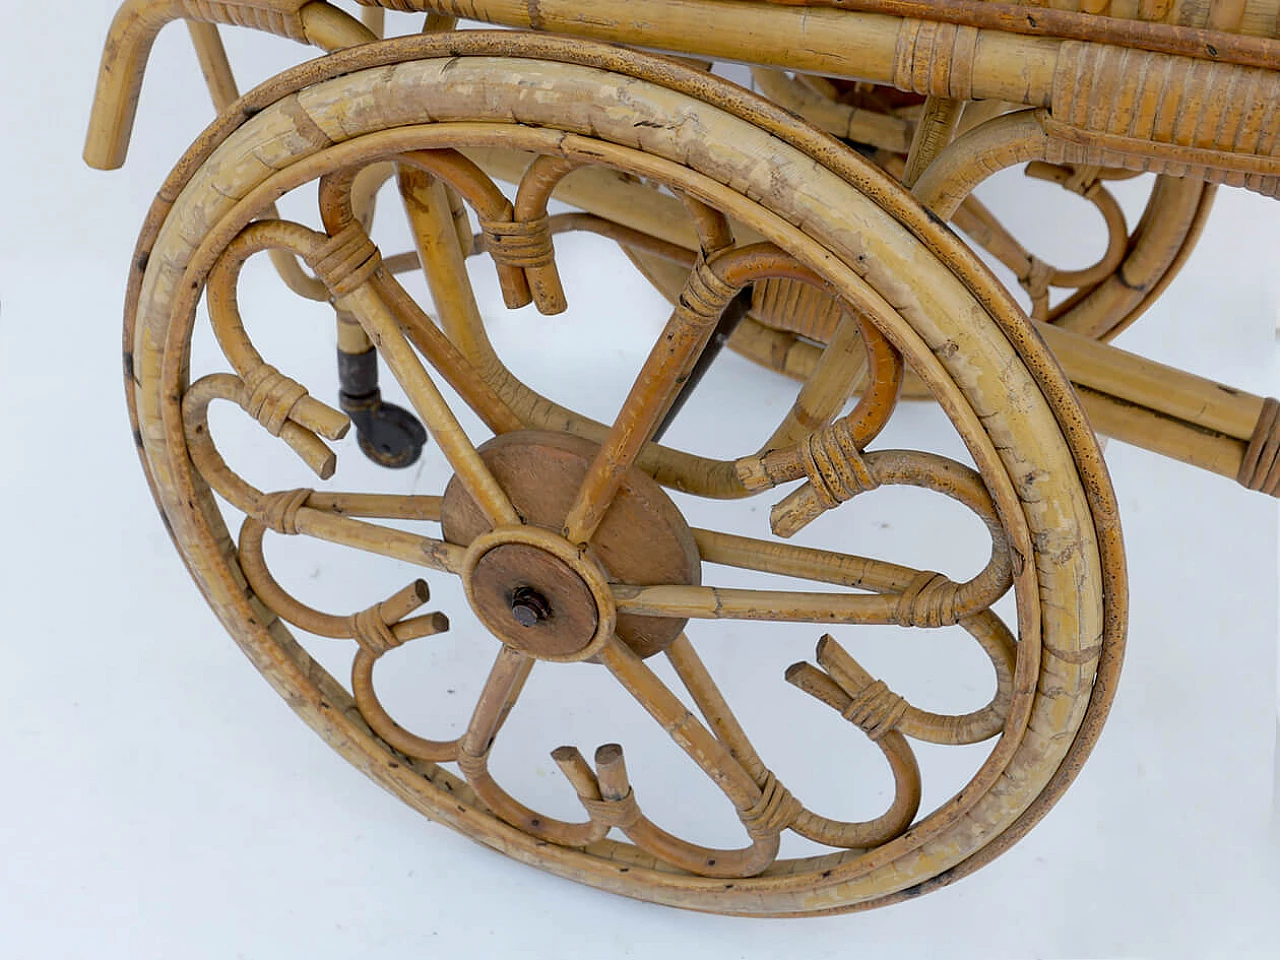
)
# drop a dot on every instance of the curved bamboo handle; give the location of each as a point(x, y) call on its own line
point(138, 22)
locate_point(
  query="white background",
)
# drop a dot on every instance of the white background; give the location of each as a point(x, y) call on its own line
point(161, 801)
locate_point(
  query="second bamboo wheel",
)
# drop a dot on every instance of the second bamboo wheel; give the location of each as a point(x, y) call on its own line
point(1134, 264)
point(570, 550)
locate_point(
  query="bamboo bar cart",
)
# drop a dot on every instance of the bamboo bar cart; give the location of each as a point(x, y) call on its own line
point(808, 226)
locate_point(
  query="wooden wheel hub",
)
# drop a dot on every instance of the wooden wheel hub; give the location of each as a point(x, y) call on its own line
point(536, 595)
point(534, 590)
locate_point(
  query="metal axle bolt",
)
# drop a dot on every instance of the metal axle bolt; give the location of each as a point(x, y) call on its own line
point(529, 607)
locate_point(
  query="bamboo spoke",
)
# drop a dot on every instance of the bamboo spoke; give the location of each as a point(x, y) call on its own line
point(381, 506)
point(714, 707)
point(444, 357)
point(723, 603)
point(692, 737)
point(710, 288)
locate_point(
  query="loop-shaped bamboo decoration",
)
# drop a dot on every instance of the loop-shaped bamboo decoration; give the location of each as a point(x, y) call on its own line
point(836, 473)
point(525, 242)
point(381, 627)
point(465, 179)
point(320, 515)
point(221, 386)
point(617, 807)
point(929, 599)
point(871, 705)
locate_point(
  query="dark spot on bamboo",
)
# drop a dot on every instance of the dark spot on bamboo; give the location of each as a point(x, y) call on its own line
point(1139, 287)
point(1211, 49)
point(535, 15)
point(143, 259)
point(1031, 20)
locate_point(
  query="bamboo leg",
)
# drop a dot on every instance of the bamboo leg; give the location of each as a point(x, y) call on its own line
point(435, 237)
point(214, 64)
point(934, 131)
point(224, 91)
point(375, 20)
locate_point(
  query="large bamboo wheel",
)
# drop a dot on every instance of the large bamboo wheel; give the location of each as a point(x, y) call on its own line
point(560, 529)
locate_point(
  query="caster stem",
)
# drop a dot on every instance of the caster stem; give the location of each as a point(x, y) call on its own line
point(388, 435)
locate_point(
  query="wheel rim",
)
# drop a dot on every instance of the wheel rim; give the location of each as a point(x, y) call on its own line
point(849, 883)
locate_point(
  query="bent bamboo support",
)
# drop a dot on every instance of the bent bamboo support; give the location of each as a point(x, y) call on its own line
point(139, 22)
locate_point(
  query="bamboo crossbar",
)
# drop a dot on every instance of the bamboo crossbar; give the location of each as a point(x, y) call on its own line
point(874, 43)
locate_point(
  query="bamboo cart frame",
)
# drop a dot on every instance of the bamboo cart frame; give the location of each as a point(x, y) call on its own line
point(1082, 91)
